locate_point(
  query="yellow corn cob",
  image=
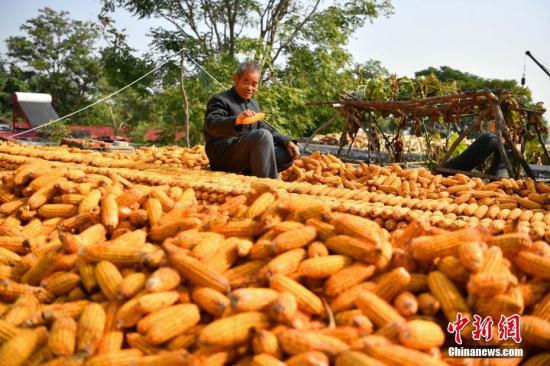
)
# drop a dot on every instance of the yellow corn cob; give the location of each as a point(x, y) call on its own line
point(90, 202)
point(354, 318)
point(163, 279)
point(264, 359)
point(355, 226)
point(7, 331)
point(111, 342)
point(90, 328)
point(149, 303)
point(109, 212)
point(406, 304)
point(284, 263)
point(347, 278)
point(71, 198)
point(10, 207)
point(533, 264)
point(428, 304)
point(115, 254)
point(421, 335)
point(354, 358)
point(312, 358)
point(166, 202)
point(447, 294)
point(488, 284)
point(357, 249)
point(44, 194)
point(198, 273)
point(61, 283)
point(295, 341)
point(241, 228)
point(73, 309)
point(471, 255)
point(62, 339)
point(154, 211)
point(22, 309)
point(18, 349)
point(251, 299)
point(398, 355)
point(52, 210)
point(136, 340)
point(244, 274)
point(429, 247)
point(542, 309)
point(535, 331)
point(264, 341)
point(317, 249)
point(376, 309)
point(324, 266)
point(170, 228)
point(232, 330)
point(392, 283)
point(324, 230)
point(174, 358)
point(32, 228)
point(109, 278)
point(210, 300)
point(293, 239)
point(507, 304)
point(171, 322)
point(118, 358)
point(183, 341)
point(260, 205)
point(13, 243)
point(307, 300)
point(87, 274)
point(207, 248)
point(284, 308)
point(131, 285)
point(45, 266)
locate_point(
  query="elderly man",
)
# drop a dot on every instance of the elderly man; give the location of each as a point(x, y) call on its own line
point(235, 146)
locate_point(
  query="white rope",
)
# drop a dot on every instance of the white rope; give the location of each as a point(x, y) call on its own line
point(102, 99)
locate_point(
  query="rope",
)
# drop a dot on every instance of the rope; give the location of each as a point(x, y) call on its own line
point(102, 99)
point(204, 70)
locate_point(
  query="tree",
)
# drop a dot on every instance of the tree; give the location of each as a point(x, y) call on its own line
point(470, 82)
point(299, 46)
point(57, 56)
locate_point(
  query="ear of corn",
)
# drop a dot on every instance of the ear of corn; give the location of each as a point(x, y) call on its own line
point(233, 330)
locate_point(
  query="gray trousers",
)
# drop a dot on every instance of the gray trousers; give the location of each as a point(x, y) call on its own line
point(255, 154)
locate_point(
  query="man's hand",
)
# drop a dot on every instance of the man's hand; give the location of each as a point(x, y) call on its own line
point(243, 115)
point(293, 150)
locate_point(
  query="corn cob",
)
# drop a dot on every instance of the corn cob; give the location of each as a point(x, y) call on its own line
point(312, 358)
point(429, 247)
point(150, 303)
point(535, 331)
point(293, 239)
point(109, 278)
point(154, 211)
point(62, 339)
point(260, 205)
point(123, 357)
point(210, 300)
point(115, 254)
point(251, 299)
point(324, 266)
point(264, 359)
point(447, 294)
point(232, 330)
point(533, 264)
point(376, 309)
point(130, 285)
point(198, 273)
point(170, 228)
point(295, 341)
point(90, 328)
point(398, 355)
point(406, 304)
point(136, 340)
point(347, 278)
point(18, 349)
point(109, 212)
point(240, 228)
point(392, 283)
point(61, 283)
point(307, 300)
point(421, 335)
point(167, 323)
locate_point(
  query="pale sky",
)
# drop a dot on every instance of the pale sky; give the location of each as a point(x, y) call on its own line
point(484, 37)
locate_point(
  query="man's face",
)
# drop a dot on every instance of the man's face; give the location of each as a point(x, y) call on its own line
point(246, 85)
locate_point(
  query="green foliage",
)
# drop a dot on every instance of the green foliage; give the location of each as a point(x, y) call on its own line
point(56, 132)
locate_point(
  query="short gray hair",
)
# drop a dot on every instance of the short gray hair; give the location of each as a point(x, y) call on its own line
point(247, 66)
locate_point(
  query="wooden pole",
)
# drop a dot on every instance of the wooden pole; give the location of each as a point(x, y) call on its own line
point(185, 100)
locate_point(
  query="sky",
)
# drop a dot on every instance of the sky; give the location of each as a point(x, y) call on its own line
point(484, 37)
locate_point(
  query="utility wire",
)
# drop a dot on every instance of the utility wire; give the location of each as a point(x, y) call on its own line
point(102, 99)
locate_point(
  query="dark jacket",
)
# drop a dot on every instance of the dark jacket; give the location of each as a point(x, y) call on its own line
point(220, 131)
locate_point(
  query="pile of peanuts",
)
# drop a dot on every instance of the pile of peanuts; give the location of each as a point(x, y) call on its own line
point(104, 266)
